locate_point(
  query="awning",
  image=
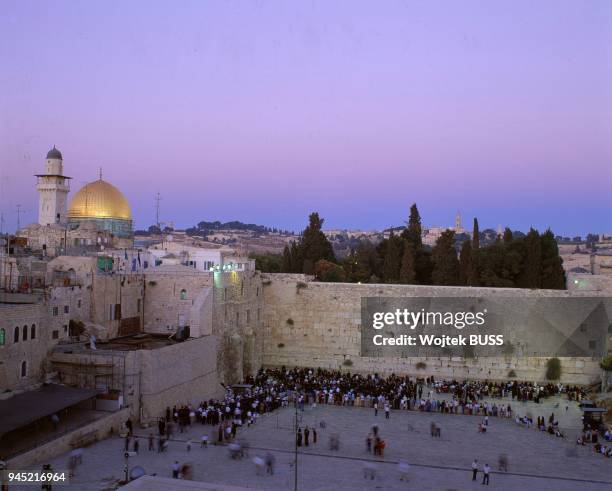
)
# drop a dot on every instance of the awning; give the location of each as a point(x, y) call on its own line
point(26, 408)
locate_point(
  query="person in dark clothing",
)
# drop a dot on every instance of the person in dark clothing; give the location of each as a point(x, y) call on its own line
point(299, 437)
point(306, 435)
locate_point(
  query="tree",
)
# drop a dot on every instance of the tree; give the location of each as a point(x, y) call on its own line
point(475, 236)
point(391, 264)
point(296, 259)
point(445, 262)
point(508, 237)
point(553, 274)
point(407, 273)
point(268, 263)
point(327, 271)
point(553, 369)
point(466, 265)
point(286, 265)
point(531, 271)
point(314, 245)
point(414, 230)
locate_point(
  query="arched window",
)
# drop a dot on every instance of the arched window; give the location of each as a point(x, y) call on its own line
point(16, 335)
point(33, 331)
point(24, 368)
point(25, 333)
point(2, 336)
point(183, 294)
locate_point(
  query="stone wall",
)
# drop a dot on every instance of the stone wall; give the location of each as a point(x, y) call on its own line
point(170, 294)
point(237, 322)
point(316, 324)
point(184, 373)
point(31, 351)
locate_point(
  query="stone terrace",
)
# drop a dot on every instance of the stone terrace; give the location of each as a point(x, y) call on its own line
point(537, 461)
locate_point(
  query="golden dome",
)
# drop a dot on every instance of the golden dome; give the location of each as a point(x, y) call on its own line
point(99, 199)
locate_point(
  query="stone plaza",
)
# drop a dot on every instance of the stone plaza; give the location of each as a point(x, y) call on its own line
point(536, 460)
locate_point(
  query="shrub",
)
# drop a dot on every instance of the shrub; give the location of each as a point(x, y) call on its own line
point(421, 365)
point(553, 369)
point(152, 283)
point(508, 348)
point(347, 363)
point(511, 374)
point(606, 363)
point(290, 321)
point(300, 284)
point(280, 345)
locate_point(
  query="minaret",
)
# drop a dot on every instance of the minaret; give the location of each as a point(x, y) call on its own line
point(53, 187)
point(458, 227)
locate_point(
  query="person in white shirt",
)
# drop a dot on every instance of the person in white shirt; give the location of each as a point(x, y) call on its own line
point(474, 469)
point(485, 474)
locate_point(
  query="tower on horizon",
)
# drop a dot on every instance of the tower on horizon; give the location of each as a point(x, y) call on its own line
point(458, 227)
point(53, 187)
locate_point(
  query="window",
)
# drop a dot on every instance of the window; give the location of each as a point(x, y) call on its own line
point(33, 331)
point(237, 318)
point(258, 315)
point(248, 314)
point(79, 303)
point(55, 334)
point(592, 344)
point(16, 335)
point(183, 294)
point(65, 328)
point(66, 309)
point(25, 333)
point(2, 337)
point(138, 305)
point(24, 368)
point(257, 294)
point(55, 311)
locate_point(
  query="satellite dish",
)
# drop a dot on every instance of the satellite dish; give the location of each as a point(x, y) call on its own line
point(136, 472)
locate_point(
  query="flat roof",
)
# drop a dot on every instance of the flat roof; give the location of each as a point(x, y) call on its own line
point(23, 409)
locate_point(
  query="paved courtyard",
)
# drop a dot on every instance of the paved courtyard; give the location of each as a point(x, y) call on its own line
point(537, 461)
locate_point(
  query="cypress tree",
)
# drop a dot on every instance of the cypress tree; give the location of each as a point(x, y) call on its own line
point(407, 272)
point(508, 237)
point(475, 236)
point(414, 230)
point(531, 270)
point(553, 274)
point(286, 266)
point(296, 260)
point(314, 246)
point(465, 263)
point(445, 262)
point(391, 264)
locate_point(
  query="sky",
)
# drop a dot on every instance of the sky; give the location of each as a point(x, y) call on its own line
point(263, 111)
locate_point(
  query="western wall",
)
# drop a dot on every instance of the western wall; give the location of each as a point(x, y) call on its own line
point(314, 324)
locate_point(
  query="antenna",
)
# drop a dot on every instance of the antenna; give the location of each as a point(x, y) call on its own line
point(157, 200)
point(19, 212)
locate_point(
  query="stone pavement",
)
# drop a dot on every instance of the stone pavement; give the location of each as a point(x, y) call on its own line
point(537, 461)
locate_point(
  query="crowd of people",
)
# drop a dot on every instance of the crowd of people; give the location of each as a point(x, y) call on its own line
point(274, 388)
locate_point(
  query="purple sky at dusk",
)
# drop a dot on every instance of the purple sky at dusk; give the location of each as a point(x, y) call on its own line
point(263, 111)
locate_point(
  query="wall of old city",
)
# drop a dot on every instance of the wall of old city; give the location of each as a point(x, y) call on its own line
point(314, 324)
point(170, 295)
point(238, 323)
point(183, 373)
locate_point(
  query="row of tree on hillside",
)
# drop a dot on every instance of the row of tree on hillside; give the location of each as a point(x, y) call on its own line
point(512, 260)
